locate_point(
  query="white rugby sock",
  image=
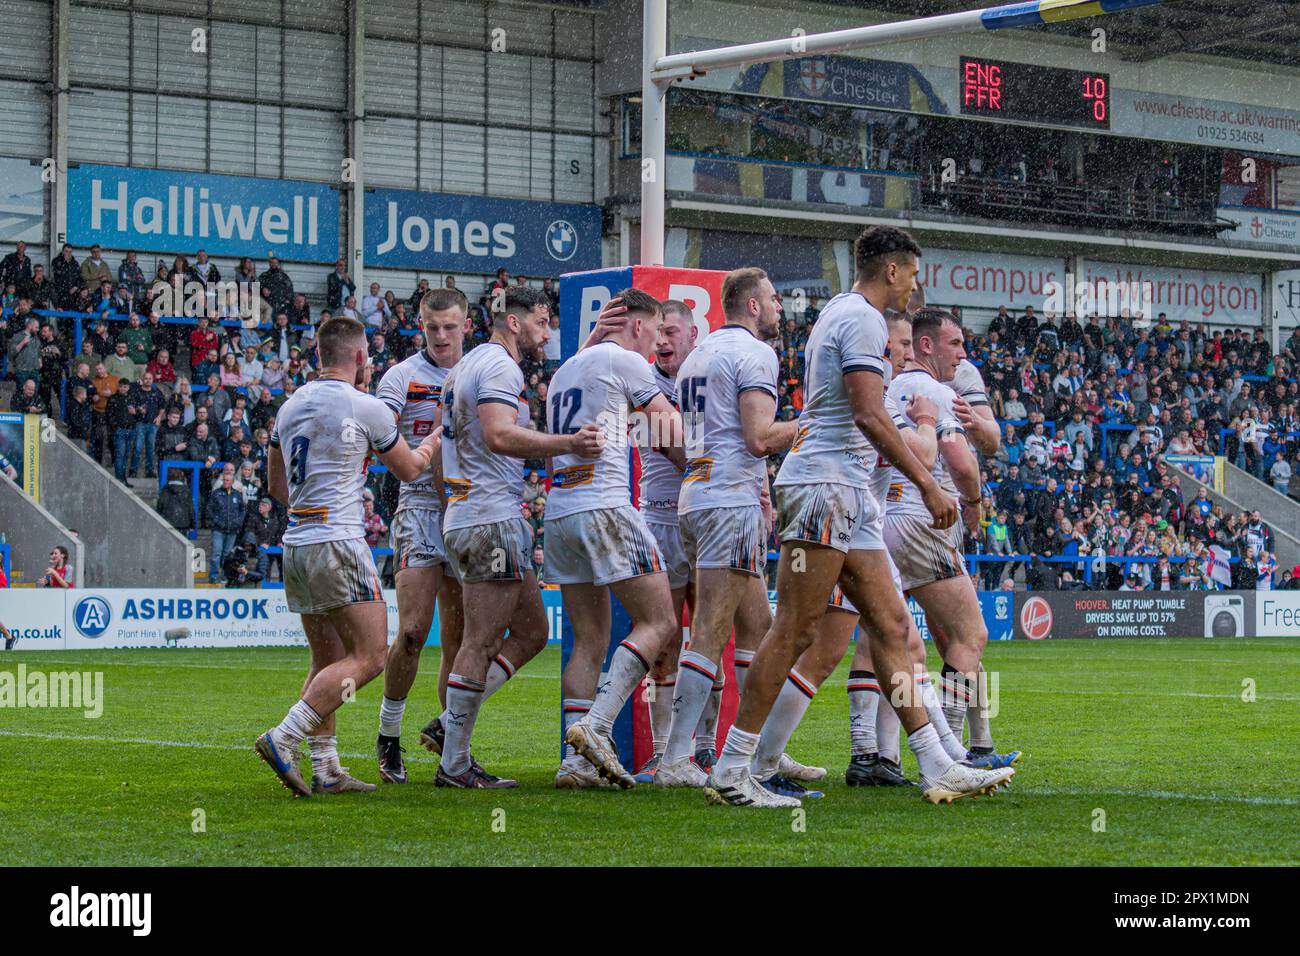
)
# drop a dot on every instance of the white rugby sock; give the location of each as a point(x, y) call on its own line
point(955, 697)
point(977, 715)
point(298, 723)
point(887, 723)
point(500, 670)
point(736, 755)
point(791, 704)
point(464, 698)
point(574, 710)
point(706, 731)
point(741, 664)
point(324, 754)
point(626, 669)
point(864, 699)
point(695, 676)
point(390, 716)
point(661, 710)
point(930, 701)
point(924, 742)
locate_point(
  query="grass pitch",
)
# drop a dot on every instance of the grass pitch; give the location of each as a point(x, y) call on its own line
point(1154, 733)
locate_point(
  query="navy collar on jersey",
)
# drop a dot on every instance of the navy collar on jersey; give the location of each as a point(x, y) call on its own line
point(428, 358)
point(736, 325)
point(660, 369)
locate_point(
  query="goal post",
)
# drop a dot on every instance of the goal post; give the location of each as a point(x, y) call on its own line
point(659, 70)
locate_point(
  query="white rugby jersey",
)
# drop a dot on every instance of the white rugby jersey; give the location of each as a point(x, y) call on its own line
point(720, 471)
point(661, 480)
point(904, 497)
point(882, 475)
point(325, 432)
point(850, 336)
point(413, 390)
point(601, 384)
point(482, 486)
point(969, 384)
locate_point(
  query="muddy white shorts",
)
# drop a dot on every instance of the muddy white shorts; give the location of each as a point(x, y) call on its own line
point(327, 575)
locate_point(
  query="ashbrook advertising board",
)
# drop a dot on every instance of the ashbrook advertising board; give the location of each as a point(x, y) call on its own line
point(1043, 615)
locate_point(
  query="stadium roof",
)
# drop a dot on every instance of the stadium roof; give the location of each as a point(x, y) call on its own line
point(1267, 31)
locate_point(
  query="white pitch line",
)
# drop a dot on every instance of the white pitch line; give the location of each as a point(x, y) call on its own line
point(417, 758)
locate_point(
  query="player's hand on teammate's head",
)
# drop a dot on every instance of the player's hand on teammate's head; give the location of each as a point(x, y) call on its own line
point(942, 507)
point(612, 318)
point(920, 406)
point(589, 440)
point(965, 414)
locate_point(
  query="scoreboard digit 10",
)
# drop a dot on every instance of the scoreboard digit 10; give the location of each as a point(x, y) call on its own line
point(999, 89)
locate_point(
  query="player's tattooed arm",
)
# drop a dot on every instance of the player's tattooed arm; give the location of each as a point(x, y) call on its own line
point(408, 463)
point(503, 435)
point(866, 394)
point(922, 440)
point(981, 427)
point(762, 433)
point(612, 319)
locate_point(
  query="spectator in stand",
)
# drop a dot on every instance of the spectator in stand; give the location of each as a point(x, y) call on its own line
point(26, 400)
point(138, 341)
point(121, 418)
point(276, 287)
point(131, 277)
point(119, 362)
point(416, 297)
point(66, 276)
point(1280, 473)
point(203, 447)
point(94, 270)
point(53, 361)
point(149, 403)
point(163, 372)
point(175, 502)
point(173, 438)
point(105, 385)
point(339, 287)
point(261, 530)
point(224, 515)
point(202, 340)
point(231, 375)
point(25, 352)
point(161, 335)
point(250, 368)
point(39, 290)
point(374, 308)
point(16, 267)
point(299, 312)
point(60, 573)
point(372, 521)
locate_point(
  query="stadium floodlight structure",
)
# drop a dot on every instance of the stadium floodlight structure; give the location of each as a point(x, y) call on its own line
point(659, 71)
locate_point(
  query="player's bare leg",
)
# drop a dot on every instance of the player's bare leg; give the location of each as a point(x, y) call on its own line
point(805, 575)
point(451, 628)
point(726, 602)
point(489, 607)
point(417, 589)
point(327, 776)
point(660, 687)
point(980, 751)
point(527, 633)
point(363, 630)
point(648, 601)
point(812, 668)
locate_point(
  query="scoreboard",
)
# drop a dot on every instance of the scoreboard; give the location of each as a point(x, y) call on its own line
point(1000, 89)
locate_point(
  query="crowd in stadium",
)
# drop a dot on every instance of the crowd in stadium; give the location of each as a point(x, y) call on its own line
point(1088, 408)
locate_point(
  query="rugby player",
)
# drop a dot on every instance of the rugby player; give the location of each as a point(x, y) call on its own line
point(329, 427)
point(412, 389)
point(661, 481)
point(596, 542)
point(930, 564)
point(830, 528)
point(488, 541)
point(817, 663)
point(727, 390)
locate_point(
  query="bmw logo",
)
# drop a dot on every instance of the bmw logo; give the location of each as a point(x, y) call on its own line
point(561, 240)
point(92, 616)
